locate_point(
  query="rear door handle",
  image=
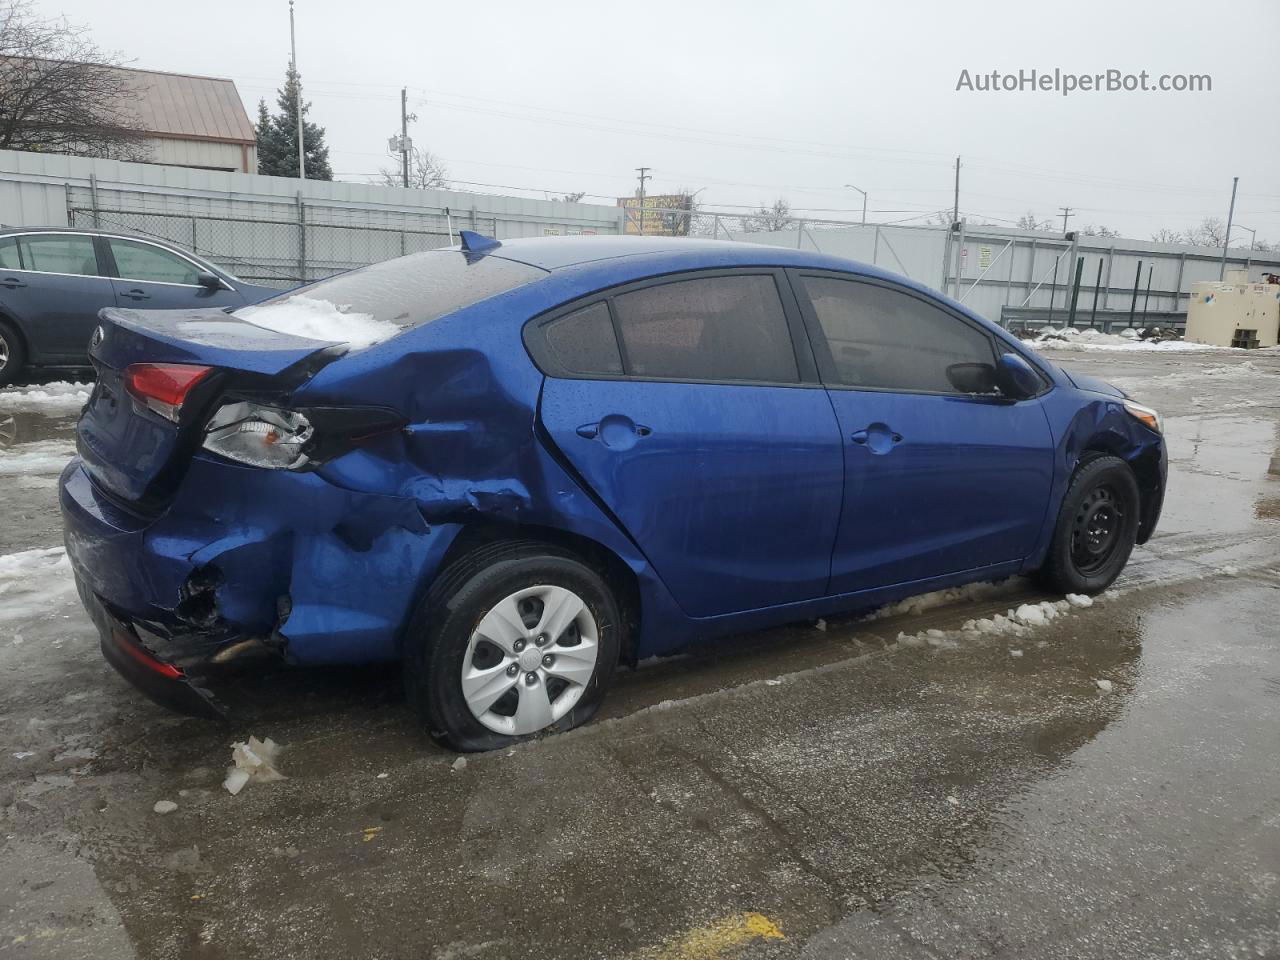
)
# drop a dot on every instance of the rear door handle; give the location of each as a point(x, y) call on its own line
point(615, 431)
point(12, 283)
point(136, 295)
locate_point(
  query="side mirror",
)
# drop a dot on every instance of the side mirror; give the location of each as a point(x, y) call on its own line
point(1017, 378)
point(972, 377)
point(210, 281)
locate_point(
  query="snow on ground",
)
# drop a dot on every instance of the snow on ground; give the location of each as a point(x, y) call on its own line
point(316, 319)
point(913, 606)
point(32, 584)
point(34, 459)
point(1087, 338)
point(51, 399)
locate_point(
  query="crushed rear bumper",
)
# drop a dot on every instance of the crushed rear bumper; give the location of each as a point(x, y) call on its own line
point(163, 680)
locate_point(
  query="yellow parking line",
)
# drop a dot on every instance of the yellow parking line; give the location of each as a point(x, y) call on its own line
point(711, 942)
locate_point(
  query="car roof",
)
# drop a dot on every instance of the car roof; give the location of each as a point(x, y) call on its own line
point(555, 253)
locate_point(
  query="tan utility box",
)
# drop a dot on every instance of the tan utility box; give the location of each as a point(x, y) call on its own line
point(1234, 312)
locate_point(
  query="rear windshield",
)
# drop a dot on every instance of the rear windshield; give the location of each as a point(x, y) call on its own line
point(418, 288)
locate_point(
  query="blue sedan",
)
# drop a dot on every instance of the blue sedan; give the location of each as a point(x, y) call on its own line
point(53, 282)
point(513, 466)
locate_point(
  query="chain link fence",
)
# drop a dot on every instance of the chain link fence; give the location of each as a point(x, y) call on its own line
point(282, 244)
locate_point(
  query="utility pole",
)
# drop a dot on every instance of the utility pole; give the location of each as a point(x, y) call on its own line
point(297, 92)
point(955, 211)
point(1066, 212)
point(644, 175)
point(1226, 242)
point(404, 133)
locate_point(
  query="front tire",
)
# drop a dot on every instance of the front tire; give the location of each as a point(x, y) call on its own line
point(514, 640)
point(1096, 530)
point(13, 354)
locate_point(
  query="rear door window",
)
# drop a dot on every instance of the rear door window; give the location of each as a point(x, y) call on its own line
point(887, 339)
point(60, 253)
point(142, 261)
point(709, 329)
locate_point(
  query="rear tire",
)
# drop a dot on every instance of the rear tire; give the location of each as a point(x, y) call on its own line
point(515, 640)
point(1096, 529)
point(13, 354)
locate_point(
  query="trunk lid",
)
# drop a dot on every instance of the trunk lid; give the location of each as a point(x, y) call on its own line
point(134, 453)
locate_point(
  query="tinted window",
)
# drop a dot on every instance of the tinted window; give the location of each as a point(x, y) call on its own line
point(584, 342)
point(59, 253)
point(717, 328)
point(883, 338)
point(141, 261)
point(421, 287)
point(9, 258)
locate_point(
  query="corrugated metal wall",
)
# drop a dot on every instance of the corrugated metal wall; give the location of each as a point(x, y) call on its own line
point(271, 229)
point(1015, 268)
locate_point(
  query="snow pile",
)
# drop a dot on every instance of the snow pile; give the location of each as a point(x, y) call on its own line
point(303, 316)
point(1087, 338)
point(42, 457)
point(33, 583)
point(51, 399)
point(914, 606)
point(1016, 622)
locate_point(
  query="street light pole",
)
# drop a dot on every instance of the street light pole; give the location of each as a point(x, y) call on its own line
point(297, 93)
point(1226, 242)
point(864, 201)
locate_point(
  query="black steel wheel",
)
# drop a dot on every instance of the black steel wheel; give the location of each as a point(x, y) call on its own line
point(1096, 529)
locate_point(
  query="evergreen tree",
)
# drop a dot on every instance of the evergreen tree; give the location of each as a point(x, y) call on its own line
point(278, 136)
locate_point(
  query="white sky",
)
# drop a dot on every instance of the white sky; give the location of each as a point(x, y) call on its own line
point(757, 100)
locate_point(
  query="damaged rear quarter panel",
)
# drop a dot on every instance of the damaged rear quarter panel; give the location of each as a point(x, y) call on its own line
point(470, 452)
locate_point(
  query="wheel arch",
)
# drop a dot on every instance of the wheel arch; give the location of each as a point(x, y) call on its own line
point(1146, 464)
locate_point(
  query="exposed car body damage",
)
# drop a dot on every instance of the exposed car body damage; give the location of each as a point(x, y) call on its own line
point(325, 564)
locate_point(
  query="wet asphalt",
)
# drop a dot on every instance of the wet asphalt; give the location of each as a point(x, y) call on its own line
point(803, 792)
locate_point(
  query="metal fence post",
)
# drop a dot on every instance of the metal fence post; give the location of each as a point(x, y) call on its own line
point(875, 246)
point(302, 240)
point(946, 261)
point(93, 197)
point(71, 210)
point(1031, 270)
point(1177, 287)
point(1106, 290)
point(1075, 292)
point(1093, 314)
point(1133, 304)
point(800, 235)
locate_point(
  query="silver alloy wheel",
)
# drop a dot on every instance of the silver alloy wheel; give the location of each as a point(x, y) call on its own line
point(530, 659)
point(4, 351)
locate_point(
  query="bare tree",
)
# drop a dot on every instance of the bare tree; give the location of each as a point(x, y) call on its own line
point(426, 172)
point(1028, 221)
point(1209, 232)
point(575, 197)
point(769, 219)
point(1099, 230)
point(60, 93)
point(1165, 235)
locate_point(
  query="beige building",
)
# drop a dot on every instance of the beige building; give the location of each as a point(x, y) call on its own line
point(1234, 312)
point(194, 121)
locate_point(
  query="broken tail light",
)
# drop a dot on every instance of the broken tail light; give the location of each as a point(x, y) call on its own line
point(163, 387)
point(279, 439)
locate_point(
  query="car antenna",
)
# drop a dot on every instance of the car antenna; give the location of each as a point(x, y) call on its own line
point(477, 244)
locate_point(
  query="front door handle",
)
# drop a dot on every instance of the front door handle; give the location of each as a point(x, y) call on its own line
point(136, 295)
point(12, 283)
point(877, 437)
